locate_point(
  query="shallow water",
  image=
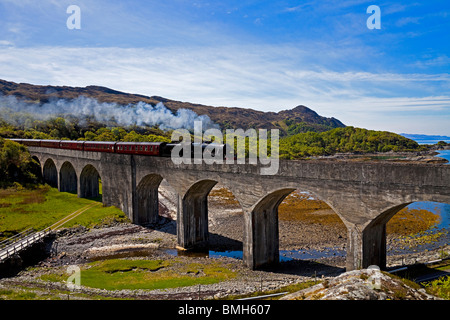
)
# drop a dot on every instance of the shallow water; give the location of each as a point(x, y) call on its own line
point(125, 253)
point(442, 229)
point(444, 154)
point(442, 209)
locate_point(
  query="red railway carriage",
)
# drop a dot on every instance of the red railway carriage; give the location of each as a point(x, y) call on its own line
point(30, 142)
point(50, 143)
point(144, 148)
point(100, 146)
point(71, 145)
point(159, 149)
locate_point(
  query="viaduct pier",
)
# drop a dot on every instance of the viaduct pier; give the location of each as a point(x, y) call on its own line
point(365, 195)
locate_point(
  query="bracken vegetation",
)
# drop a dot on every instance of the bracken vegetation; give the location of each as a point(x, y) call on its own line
point(440, 287)
point(16, 165)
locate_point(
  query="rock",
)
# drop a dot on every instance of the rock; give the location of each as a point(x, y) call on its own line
point(365, 284)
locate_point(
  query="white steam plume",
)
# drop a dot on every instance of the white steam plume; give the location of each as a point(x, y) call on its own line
point(16, 112)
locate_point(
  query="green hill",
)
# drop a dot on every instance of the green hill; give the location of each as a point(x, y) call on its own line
point(344, 140)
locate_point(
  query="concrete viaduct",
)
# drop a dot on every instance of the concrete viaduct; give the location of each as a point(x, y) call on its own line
point(365, 195)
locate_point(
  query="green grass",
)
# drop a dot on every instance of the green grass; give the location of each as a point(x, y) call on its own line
point(17, 294)
point(32, 292)
point(41, 207)
point(439, 287)
point(118, 274)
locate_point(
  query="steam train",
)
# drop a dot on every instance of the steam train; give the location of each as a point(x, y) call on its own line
point(158, 149)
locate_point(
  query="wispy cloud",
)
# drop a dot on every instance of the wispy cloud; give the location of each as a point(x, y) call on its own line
point(258, 77)
point(320, 54)
point(393, 8)
point(408, 20)
point(6, 43)
point(367, 76)
point(438, 61)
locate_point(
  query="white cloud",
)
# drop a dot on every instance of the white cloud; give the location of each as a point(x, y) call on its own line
point(366, 76)
point(408, 20)
point(6, 43)
point(260, 77)
point(439, 61)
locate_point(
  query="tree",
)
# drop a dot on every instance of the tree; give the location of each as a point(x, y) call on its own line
point(16, 164)
point(119, 133)
point(341, 140)
point(90, 136)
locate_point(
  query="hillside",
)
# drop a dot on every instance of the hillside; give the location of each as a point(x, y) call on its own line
point(344, 140)
point(364, 284)
point(293, 121)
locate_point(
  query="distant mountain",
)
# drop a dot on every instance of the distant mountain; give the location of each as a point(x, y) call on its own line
point(426, 139)
point(296, 120)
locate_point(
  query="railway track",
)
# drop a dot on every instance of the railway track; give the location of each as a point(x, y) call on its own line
point(73, 215)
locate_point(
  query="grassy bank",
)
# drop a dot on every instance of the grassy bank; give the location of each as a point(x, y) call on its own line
point(440, 287)
point(118, 274)
point(41, 207)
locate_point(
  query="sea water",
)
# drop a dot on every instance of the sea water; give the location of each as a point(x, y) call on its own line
point(441, 209)
point(444, 154)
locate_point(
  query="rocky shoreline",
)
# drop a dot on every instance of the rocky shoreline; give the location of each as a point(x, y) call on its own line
point(77, 246)
point(430, 156)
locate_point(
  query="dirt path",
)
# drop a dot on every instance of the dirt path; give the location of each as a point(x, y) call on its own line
point(73, 215)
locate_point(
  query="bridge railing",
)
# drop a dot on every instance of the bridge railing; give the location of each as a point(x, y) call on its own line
point(21, 241)
point(15, 238)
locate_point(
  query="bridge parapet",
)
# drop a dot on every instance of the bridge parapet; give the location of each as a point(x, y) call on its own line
point(365, 195)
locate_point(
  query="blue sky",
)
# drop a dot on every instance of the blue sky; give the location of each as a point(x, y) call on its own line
point(264, 55)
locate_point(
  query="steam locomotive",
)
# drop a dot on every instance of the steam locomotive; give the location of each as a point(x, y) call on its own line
point(157, 149)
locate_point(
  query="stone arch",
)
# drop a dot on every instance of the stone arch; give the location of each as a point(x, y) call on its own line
point(147, 204)
point(36, 168)
point(35, 158)
point(265, 233)
point(50, 173)
point(192, 216)
point(68, 178)
point(89, 182)
point(374, 235)
point(225, 219)
point(261, 246)
point(373, 240)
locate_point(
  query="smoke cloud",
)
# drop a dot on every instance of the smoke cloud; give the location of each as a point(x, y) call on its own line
point(17, 112)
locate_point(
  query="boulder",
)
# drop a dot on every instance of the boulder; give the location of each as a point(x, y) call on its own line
point(365, 284)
